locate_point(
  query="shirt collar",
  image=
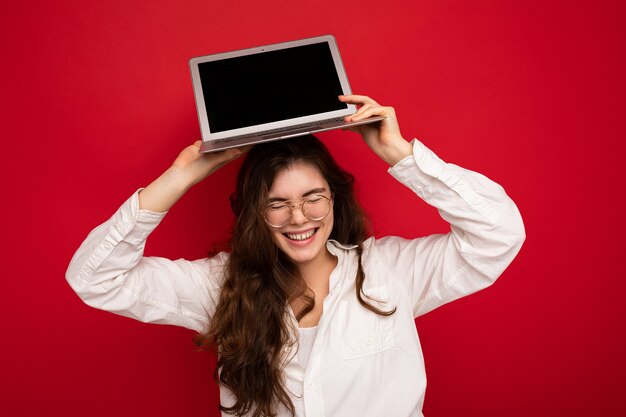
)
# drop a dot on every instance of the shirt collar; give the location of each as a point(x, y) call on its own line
point(342, 252)
point(334, 247)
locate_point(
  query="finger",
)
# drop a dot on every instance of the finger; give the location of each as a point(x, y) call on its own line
point(360, 111)
point(364, 112)
point(357, 99)
point(235, 153)
point(373, 111)
point(230, 154)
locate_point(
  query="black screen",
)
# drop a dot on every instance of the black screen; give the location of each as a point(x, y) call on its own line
point(270, 86)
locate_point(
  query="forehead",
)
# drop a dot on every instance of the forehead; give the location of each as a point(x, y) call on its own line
point(296, 180)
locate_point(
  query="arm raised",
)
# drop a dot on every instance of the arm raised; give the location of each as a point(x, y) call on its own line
point(189, 168)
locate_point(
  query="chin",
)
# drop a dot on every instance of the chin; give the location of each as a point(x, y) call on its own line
point(301, 258)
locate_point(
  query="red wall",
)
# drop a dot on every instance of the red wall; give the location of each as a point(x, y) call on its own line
point(97, 101)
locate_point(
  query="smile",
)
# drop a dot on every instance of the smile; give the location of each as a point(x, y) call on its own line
point(301, 236)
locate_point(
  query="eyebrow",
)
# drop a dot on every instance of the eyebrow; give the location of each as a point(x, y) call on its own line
point(308, 193)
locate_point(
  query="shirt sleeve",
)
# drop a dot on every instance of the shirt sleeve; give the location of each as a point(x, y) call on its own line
point(486, 233)
point(109, 272)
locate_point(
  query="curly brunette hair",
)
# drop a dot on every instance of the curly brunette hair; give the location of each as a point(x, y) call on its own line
point(251, 324)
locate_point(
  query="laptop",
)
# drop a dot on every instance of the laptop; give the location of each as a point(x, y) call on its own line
point(271, 92)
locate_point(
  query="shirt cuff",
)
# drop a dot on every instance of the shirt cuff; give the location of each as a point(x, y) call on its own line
point(429, 166)
point(135, 225)
point(421, 170)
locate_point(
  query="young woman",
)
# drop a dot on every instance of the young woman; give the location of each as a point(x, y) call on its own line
point(309, 316)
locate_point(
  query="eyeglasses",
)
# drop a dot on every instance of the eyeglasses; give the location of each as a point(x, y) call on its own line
point(314, 207)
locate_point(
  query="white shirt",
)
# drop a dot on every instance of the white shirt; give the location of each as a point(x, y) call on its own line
point(306, 337)
point(360, 364)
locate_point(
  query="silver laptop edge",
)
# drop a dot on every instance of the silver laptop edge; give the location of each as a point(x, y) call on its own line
point(212, 146)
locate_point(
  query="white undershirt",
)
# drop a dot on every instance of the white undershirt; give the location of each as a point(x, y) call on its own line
point(305, 344)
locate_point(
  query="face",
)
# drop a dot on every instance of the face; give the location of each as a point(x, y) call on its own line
point(303, 240)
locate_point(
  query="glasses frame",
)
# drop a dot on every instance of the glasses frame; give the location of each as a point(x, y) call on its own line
point(300, 205)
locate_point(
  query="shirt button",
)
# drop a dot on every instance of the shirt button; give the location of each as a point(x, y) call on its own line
point(370, 341)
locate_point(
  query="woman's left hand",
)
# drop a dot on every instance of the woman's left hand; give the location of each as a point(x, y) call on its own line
point(383, 137)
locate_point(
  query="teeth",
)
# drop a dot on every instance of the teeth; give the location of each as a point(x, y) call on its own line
point(301, 236)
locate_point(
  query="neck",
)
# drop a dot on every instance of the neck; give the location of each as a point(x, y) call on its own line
point(316, 272)
point(316, 275)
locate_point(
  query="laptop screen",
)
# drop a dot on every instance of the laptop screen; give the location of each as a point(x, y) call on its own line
point(270, 86)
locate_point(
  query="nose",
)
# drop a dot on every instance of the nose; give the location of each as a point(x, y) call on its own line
point(297, 216)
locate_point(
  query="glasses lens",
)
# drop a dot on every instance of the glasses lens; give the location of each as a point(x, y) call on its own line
point(277, 215)
point(316, 207)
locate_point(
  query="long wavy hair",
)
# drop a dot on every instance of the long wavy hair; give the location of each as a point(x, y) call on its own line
point(251, 324)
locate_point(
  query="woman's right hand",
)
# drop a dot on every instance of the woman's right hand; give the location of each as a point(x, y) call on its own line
point(189, 168)
point(195, 166)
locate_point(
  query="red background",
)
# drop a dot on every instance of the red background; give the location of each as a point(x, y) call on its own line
point(97, 101)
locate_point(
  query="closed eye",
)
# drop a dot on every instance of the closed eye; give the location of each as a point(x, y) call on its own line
point(277, 207)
